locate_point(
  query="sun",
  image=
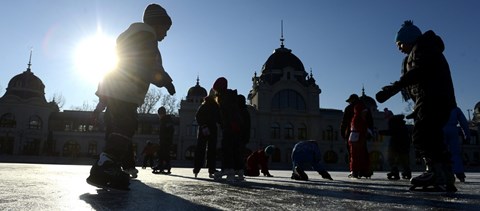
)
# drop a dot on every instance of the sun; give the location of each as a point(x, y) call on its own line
point(95, 56)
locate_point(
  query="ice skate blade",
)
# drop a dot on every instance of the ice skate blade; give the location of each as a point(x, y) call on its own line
point(429, 189)
point(107, 187)
point(161, 172)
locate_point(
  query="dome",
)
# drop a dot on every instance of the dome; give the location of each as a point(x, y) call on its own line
point(26, 85)
point(282, 57)
point(196, 91)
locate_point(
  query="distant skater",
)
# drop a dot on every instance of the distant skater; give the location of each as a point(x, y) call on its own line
point(453, 142)
point(258, 161)
point(207, 116)
point(306, 156)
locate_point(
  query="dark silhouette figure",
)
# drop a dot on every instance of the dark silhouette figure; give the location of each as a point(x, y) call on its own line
point(306, 155)
point(231, 124)
point(148, 154)
point(398, 148)
point(453, 142)
point(165, 133)
point(357, 141)
point(124, 89)
point(426, 80)
point(258, 161)
point(207, 116)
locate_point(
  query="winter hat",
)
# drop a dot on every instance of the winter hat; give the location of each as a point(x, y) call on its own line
point(269, 150)
point(162, 110)
point(220, 84)
point(352, 98)
point(408, 33)
point(156, 15)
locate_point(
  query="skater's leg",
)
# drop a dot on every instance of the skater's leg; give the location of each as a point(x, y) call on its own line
point(199, 160)
point(212, 153)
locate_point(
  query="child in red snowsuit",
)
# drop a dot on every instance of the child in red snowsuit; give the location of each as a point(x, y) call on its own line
point(258, 159)
point(359, 160)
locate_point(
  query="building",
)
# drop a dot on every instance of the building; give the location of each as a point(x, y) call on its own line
point(284, 104)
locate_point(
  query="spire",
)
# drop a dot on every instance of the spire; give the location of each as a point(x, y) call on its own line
point(30, 61)
point(281, 37)
point(198, 80)
point(363, 90)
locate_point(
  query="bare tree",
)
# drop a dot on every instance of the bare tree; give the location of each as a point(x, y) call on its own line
point(58, 99)
point(151, 99)
point(85, 107)
point(171, 104)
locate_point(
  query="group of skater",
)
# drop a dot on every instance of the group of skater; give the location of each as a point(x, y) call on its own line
point(425, 80)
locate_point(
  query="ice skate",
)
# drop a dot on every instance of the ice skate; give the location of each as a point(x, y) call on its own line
point(133, 172)
point(106, 174)
point(240, 175)
point(367, 174)
point(161, 169)
point(299, 174)
point(230, 173)
point(393, 176)
point(325, 175)
point(460, 177)
point(407, 175)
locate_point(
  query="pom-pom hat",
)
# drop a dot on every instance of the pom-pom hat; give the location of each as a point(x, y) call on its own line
point(408, 33)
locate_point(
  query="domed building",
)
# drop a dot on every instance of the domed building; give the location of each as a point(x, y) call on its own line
point(24, 104)
point(187, 139)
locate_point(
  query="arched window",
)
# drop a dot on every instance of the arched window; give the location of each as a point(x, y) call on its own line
point(192, 128)
point(71, 148)
point(8, 120)
point(302, 132)
point(190, 153)
point(275, 131)
point(92, 148)
point(35, 122)
point(289, 131)
point(288, 99)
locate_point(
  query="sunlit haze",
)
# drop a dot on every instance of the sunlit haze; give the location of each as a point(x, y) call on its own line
point(347, 45)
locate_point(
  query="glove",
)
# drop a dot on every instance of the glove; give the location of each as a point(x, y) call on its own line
point(387, 92)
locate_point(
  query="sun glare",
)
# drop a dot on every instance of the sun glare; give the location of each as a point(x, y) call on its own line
point(95, 56)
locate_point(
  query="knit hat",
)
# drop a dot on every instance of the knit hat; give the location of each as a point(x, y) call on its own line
point(220, 84)
point(352, 98)
point(162, 110)
point(156, 15)
point(408, 33)
point(269, 150)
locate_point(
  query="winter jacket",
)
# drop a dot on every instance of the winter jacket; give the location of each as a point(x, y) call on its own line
point(426, 75)
point(208, 116)
point(140, 64)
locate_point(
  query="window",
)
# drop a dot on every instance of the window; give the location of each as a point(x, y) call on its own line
point(288, 99)
point(35, 122)
point(192, 129)
point(289, 131)
point(8, 120)
point(92, 148)
point(302, 132)
point(275, 131)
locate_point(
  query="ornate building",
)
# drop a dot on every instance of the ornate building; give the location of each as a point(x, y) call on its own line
point(284, 105)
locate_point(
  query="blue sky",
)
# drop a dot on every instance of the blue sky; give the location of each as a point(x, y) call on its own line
point(346, 44)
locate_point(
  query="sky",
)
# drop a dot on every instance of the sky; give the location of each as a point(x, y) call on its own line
point(346, 44)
